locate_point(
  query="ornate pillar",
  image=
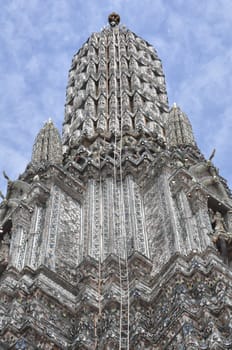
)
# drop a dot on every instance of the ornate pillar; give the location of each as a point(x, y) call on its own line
point(198, 201)
point(21, 220)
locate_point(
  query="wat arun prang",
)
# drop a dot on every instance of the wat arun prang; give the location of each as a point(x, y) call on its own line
point(119, 234)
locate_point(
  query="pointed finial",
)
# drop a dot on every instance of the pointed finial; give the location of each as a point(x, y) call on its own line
point(114, 19)
point(212, 154)
point(47, 122)
point(174, 105)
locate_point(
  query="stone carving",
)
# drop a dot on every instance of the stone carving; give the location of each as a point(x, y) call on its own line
point(209, 177)
point(3, 209)
point(36, 236)
point(121, 105)
point(4, 249)
point(221, 237)
point(22, 238)
point(53, 227)
point(104, 225)
point(47, 147)
point(16, 191)
point(110, 245)
point(68, 242)
point(179, 130)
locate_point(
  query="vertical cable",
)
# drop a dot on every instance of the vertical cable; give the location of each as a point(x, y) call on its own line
point(122, 215)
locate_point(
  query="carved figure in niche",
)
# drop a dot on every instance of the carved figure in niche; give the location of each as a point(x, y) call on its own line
point(221, 237)
point(16, 190)
point(4, 249)
point(219, 223)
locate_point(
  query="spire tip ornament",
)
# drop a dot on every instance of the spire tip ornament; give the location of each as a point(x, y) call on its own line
point(114, 19)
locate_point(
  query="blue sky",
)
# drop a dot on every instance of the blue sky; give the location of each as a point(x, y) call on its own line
point(39, 37)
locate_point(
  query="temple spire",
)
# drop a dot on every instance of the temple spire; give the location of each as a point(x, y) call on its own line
point(116, 86)
point(47, 146)
point(178, 129)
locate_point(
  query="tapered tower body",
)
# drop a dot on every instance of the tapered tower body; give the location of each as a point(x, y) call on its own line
point(118, 234)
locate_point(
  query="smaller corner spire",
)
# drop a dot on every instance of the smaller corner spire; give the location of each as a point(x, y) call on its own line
point(114, 19)
point(179, 129)
point(47, 146)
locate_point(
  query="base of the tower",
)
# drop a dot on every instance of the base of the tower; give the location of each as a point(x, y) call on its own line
point(186, 306)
